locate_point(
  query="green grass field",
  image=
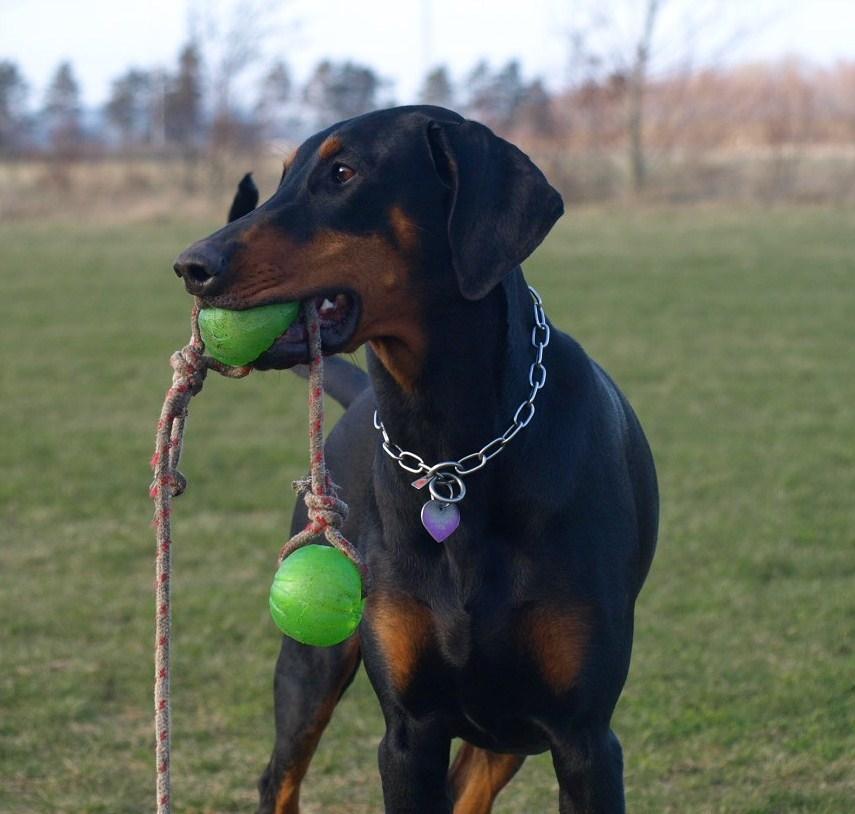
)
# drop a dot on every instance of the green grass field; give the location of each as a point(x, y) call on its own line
point(731, 332)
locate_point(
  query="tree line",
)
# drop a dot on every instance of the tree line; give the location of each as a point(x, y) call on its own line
point(771, 129)
point(180, 111)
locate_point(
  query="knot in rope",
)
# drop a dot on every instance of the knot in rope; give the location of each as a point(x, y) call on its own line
point(176, 481)
point(189, 369)
point(326, 510)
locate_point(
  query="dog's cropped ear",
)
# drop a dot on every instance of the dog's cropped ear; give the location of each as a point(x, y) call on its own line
point(246, 198)
point(501, 206)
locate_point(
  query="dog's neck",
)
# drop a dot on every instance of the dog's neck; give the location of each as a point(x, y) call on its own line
point(474, 374)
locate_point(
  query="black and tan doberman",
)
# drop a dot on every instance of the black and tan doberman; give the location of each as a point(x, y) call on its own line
point(408, 227)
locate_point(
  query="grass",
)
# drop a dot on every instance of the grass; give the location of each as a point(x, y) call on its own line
point(731, 331)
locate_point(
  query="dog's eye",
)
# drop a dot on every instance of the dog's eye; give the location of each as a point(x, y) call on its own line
point(341, 173)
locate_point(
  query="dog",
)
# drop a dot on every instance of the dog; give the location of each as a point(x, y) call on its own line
point(407, 227)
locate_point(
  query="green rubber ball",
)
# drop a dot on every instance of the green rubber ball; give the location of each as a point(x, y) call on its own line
point(316, 596)
point(240, 337)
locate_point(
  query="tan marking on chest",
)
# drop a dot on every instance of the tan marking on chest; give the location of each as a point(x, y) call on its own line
point(557, 641)
point(404, 629)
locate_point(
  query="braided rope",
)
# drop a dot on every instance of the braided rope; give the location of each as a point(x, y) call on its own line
point(189, 368)
point(326, 511)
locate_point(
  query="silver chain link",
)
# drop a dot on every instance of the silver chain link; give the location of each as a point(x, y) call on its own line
point(540, 335)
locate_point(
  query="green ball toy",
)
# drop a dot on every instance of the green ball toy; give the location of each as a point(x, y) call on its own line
point(316, 596)
point(240, 337)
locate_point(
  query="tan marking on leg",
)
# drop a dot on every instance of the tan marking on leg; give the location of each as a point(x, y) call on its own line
point(288, 796)
point(477, 776)
point(557, 639)
point(330, 146)
point(404, 630)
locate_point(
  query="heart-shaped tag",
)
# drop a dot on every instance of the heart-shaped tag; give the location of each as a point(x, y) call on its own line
point(440, 519)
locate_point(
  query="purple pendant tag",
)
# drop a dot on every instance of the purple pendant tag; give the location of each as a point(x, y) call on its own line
point(440, 519)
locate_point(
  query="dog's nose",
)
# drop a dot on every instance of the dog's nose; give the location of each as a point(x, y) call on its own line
point(202, 268)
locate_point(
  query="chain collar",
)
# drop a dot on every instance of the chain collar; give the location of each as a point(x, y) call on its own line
point(445, 479)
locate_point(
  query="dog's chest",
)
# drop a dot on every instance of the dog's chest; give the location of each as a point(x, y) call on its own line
point(484, 627)
point(515, 646)
point(490, 651)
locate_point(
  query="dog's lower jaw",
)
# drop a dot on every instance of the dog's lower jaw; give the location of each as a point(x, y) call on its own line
point(292, 347)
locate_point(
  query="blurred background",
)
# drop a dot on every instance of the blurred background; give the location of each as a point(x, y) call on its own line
point(706, 152)
point(653, 100)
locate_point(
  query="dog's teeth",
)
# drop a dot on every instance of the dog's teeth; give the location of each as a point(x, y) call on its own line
point(326, 305)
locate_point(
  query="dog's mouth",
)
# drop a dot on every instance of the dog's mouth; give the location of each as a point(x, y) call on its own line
point(339, 316)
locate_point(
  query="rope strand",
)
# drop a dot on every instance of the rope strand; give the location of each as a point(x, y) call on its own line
point(327, 511)
point(189, 368)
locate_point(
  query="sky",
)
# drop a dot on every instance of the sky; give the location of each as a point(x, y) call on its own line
point(399, 38)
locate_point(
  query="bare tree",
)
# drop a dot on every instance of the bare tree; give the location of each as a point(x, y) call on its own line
point(232, 40)
point(635, 99)
point(627, 42)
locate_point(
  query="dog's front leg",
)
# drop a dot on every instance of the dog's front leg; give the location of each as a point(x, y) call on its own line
point(589, 767)
point(413, 758)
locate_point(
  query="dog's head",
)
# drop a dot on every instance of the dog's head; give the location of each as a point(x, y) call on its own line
point(378, 219)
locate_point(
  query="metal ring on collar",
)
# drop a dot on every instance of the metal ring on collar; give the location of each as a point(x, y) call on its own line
point(436, 469)
point(452, 482)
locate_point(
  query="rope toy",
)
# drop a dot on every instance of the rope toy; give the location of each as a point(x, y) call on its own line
point(297, 578)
